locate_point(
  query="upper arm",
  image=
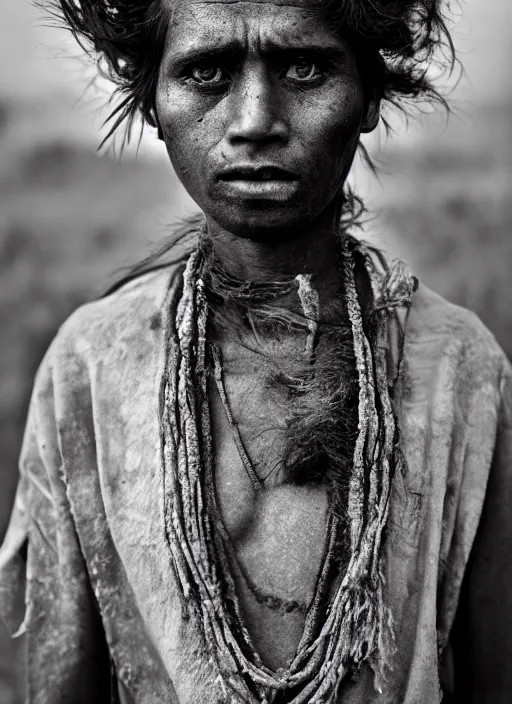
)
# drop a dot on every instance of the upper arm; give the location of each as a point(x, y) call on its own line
point(482, 636)
point(41, 564)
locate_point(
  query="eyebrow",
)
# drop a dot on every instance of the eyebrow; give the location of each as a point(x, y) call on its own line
point(235, 50)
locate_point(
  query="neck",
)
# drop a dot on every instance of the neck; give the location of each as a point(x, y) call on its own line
point(314, 250)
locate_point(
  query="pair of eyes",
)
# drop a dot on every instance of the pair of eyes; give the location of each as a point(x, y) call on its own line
point(300, 71)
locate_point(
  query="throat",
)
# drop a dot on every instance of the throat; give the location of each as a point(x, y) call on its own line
point(314, 252)
point(297, 361)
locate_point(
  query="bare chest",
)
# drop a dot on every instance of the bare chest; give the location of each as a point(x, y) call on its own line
point(278, 531)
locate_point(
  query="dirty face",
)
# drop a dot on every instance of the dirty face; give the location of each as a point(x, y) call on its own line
point(261, 106)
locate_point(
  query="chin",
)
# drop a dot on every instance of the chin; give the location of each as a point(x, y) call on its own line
point(263, 222)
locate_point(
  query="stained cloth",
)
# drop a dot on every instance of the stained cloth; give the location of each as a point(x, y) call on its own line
point(86, 567)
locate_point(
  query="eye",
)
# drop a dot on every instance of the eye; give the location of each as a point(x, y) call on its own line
point(207, 75)
point(303, 70)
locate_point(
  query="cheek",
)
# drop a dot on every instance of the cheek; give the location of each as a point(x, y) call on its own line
point(343, 114)
point(331, 129)
point(184, 131)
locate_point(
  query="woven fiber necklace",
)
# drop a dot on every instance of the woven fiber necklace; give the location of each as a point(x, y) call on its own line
point(357, 626)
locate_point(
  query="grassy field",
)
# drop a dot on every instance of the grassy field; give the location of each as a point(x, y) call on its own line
point(69, 218)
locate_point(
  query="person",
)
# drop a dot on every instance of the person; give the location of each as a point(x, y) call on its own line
point(270, 466)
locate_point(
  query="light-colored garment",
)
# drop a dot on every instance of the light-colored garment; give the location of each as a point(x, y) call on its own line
point(91, 502)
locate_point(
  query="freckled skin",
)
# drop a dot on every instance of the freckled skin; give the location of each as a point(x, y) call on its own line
point(259, 115)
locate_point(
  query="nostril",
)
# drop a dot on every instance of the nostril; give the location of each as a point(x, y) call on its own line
point(250, 130)
point(259, 139)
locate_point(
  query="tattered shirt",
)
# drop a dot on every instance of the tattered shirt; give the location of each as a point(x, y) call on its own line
point(86, 568)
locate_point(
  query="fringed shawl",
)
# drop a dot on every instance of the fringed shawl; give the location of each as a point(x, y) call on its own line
point(358, 626)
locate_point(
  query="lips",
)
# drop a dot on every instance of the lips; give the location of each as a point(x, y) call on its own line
point(257, 184)
point(256, 173)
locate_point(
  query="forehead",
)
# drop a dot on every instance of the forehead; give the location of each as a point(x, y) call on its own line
point(247, 5)
point(194, 23)
point(276, 3)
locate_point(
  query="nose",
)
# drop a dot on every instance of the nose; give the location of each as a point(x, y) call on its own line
point(254, 111)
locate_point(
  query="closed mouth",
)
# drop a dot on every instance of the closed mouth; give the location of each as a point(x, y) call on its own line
point(256, 173)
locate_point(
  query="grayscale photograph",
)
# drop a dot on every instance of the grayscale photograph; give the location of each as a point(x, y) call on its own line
point(255, 352)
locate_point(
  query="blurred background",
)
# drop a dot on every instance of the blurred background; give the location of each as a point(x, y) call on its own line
point(70, 217)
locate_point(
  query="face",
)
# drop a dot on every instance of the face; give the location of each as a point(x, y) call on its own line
point(261, 106)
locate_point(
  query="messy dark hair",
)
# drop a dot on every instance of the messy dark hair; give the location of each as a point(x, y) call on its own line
point(396, 41)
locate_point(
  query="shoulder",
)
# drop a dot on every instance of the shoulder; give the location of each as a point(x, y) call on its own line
point(104, 351)
point(431, 319)
point(107, 332)
point(449, 330)
point(129, 312)
point(438, 334)
point(441, 317)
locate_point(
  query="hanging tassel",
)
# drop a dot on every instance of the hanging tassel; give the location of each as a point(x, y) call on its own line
point(310, 304)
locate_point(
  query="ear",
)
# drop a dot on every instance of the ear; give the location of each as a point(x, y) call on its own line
point(371, 119)
point(156, 122)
